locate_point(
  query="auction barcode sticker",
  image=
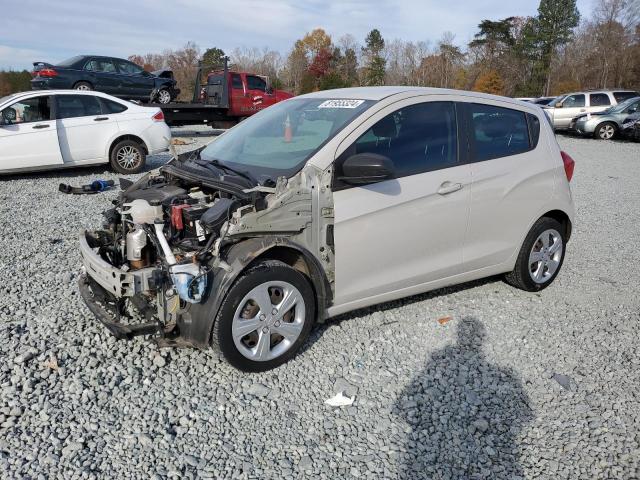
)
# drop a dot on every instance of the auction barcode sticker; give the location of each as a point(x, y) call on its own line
point(341, 103)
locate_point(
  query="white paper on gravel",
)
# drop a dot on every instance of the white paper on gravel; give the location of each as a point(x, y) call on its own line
point(339, 400)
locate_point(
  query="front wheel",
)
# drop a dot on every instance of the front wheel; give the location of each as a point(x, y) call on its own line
point(605, 131)
point(127, 157)
point(541, 256)
point(164, 96)
point(265, 318)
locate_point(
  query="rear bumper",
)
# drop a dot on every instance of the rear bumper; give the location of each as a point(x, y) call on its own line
point(157, 137)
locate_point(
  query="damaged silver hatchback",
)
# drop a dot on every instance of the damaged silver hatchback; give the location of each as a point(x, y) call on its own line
point(327, 203)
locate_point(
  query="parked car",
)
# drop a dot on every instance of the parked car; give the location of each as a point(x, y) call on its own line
point(605, 125)
point(327, 203)
point(115, 76)
point(565, 108)
point(66, 128)
point(630, 127)
point(544, 100)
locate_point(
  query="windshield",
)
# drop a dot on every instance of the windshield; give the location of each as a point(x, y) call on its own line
point(621, 107)
point(556, 101)
point(280, 139)
point(69, 61)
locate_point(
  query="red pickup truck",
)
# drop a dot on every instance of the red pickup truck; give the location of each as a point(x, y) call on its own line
point(225, 98)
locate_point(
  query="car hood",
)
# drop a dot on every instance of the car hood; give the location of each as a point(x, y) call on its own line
point(163, 73)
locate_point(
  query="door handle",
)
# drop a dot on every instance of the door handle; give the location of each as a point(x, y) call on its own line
point(449, 187)
point(36, 127)
point(100, 119)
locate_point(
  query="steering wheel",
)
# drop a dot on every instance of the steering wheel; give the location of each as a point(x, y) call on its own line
point(9, 115)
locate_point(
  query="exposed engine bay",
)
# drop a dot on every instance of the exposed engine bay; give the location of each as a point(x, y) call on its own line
point(168, 234)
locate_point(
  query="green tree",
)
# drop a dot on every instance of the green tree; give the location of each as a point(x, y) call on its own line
point(213, 56)
point(375, 65)
point(553, 28)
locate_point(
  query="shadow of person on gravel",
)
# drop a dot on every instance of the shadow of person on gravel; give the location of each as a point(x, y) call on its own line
point(464, 414)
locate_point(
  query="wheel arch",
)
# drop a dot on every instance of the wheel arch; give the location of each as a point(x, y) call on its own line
point(196, 326)
point(616, 127)
point(564, 220)
point(123, 137)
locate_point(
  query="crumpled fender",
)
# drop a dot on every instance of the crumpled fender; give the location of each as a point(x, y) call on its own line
point(196, 324)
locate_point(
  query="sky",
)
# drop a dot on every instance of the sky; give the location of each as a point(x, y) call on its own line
point(52, 30)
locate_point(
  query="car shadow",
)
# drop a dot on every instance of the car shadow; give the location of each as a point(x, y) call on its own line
point(464, 414)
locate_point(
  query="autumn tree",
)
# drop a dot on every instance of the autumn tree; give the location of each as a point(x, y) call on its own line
point(489, 82)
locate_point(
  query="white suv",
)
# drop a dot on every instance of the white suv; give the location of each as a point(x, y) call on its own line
point(327, 203)
point(565, 108)
point(44, 130)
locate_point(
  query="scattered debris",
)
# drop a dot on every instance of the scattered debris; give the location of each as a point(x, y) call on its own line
point(94, 187)
point(339, 400)
point(445, 320)
point(258, 390)
point(563, 380)
point(179, 141)
point(52, 363)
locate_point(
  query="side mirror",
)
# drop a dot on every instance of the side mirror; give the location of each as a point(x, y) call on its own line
point(558, 105)
point(366, 168)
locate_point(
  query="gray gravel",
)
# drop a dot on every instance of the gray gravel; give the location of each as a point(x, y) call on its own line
point(516, 385)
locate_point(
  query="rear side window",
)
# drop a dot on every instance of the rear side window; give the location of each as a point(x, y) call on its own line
point(128, 68)
point(70, 106)
point(498, 132)
point(418, 138)
point(109, 106)
point(236, 81)
point(100, 65)
point(622, 96)
point(36, 109)
point(599, 99)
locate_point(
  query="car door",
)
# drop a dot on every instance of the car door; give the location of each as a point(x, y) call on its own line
point(84, 131)
point(102, 75)
point(513, 175)
point(257, 87)
point(240, 100)
point(28, 136)
point(571, 106)
point(135, 81)
point(407, 231)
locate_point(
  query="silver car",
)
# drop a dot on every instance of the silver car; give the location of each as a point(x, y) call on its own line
point(607, 124)
point(565, 108)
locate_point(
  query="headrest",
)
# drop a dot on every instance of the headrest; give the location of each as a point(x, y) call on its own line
point(385, 128)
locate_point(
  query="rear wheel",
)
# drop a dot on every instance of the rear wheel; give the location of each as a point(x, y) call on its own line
point(541, 256)
point(605, 131)
point(83, 86)
point(127, 156)
point(265, 318)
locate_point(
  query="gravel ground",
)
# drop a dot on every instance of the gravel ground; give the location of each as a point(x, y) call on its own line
point(514, 385)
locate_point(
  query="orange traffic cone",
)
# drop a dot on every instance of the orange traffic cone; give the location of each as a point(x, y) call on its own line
point(288, 134)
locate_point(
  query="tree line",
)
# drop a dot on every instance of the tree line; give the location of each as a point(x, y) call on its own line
point(552, 52)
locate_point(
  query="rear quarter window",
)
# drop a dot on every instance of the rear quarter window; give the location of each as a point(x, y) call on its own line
point(499, 132)
point(622, 96)
point(109, 106)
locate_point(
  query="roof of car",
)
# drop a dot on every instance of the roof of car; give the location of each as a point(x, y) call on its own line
point(379, 93)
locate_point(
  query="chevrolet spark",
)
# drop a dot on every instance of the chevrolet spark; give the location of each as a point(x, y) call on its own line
point(327, 203)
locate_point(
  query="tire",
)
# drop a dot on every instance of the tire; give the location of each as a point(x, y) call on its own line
point(85, 86)
point(533, 275)
point(249, 336)
point(605, 131)
point(164, 96)
point(127, 156)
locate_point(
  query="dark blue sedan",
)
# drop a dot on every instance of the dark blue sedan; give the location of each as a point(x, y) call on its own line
point(115, 76)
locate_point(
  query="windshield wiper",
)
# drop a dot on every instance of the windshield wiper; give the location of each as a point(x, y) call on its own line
point(221, 166)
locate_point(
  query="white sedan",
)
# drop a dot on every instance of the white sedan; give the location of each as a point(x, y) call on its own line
point(44, 130)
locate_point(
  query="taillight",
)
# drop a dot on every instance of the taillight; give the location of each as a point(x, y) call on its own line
point(48, 72)
point(158, 117)
point(569, 165)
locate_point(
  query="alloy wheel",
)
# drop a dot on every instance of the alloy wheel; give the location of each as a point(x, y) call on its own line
point(83, 87)
point(128, 157)
point(607, 132)
point(164, 96)
point(268, 321)
point(545, 256)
